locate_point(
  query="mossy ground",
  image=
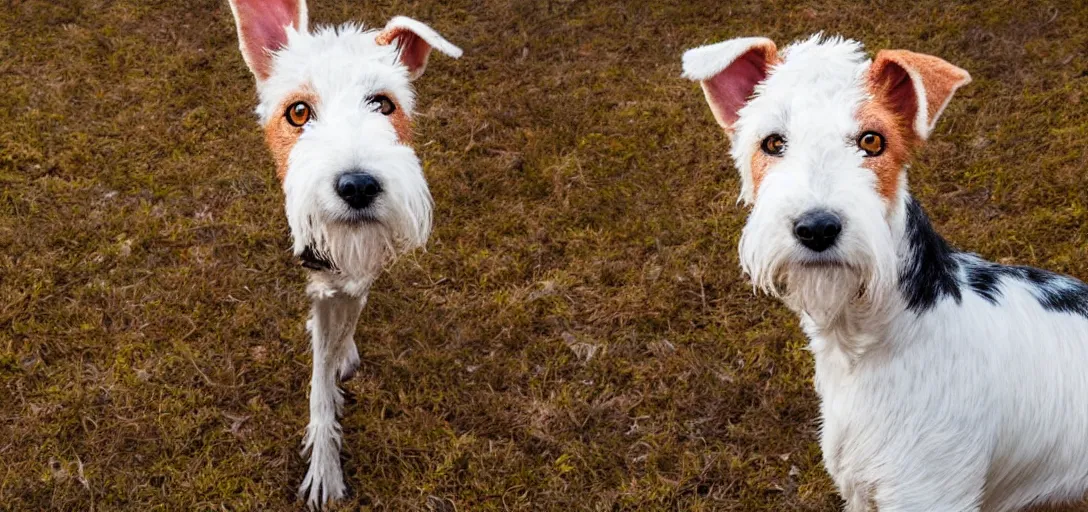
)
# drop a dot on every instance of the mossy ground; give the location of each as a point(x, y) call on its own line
point(577, 335)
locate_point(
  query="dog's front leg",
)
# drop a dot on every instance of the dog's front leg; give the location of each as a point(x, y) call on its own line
point(349, 359)
point(332, 324)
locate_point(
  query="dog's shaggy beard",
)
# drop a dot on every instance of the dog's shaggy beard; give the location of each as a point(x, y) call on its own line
point(857, 276)
point(358, 244)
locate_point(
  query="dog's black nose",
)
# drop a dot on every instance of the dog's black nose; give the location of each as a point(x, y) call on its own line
point(358, 189)
point(817, 229)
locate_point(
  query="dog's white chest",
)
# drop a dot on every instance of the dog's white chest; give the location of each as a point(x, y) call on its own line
point(840, 401)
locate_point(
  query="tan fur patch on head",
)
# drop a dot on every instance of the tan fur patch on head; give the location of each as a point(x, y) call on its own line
point(900, 140)
point(281, 136)
point(761, 164)
point(402, 124)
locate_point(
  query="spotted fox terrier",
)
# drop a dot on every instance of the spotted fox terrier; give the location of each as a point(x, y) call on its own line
point(946, 382)
point(336, 106)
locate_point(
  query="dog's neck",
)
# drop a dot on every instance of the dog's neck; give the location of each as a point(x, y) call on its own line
point(313, 260)
point(928, 269)
point(926, 272)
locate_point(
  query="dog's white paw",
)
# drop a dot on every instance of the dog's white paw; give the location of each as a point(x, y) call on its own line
point(351, 362)
point(324, 482)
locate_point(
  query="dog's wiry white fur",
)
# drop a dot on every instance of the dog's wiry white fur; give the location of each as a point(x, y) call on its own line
point(968, 396)
point(340, 69)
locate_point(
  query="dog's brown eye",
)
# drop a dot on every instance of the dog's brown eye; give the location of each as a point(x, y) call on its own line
point(872, 143)
point(298, 113)
point(383, 104)
point(773, 145)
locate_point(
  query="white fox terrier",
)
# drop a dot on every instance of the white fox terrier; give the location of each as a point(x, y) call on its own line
point(336, 105)
point(946, 382)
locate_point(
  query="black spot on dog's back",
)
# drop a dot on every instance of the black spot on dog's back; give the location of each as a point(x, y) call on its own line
point(1054, 292)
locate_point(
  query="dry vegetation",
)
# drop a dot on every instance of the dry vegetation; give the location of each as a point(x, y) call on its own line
point(577, 335)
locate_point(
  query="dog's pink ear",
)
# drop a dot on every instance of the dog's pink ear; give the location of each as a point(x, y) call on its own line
point(262, 29)
point(729, 71)
point(916, 85)
point(414, 41)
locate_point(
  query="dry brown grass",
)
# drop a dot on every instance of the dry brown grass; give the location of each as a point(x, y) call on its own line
point(152, 353)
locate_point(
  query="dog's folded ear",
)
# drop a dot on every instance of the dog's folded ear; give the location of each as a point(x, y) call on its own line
point(263, 27)
point(728, 72)
point(916, 85)
point(415, 41)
